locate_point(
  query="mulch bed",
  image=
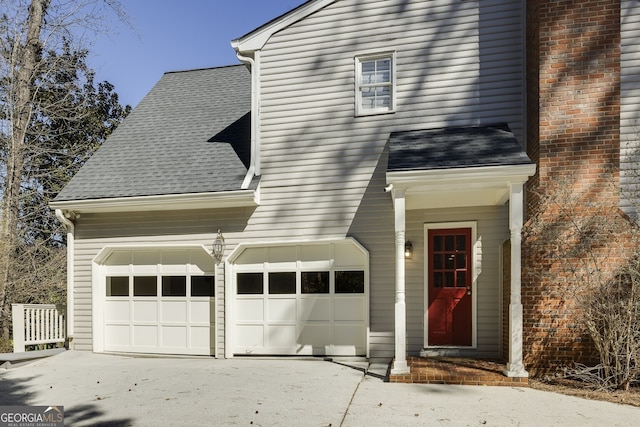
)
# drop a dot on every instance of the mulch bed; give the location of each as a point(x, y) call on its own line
point(577, 388)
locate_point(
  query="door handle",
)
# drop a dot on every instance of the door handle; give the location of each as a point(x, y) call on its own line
point(468, 290)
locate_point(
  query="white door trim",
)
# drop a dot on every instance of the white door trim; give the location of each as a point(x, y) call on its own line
point(476, 269)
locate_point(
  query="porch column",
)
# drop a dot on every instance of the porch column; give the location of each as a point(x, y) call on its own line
point(400, 363)
point(515, 366)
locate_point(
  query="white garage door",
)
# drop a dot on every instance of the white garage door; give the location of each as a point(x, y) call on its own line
point(159, 302)
point(302, 300)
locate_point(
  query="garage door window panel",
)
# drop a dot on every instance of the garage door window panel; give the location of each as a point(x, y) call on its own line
point(349, 282)
point(203, 286)
point(282, 283)
point(118, 286)
point(314, 282)
point(250, 284)
point(174, 286)
point(145, 286)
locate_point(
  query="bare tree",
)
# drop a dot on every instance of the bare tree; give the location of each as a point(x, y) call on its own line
point(47, 96)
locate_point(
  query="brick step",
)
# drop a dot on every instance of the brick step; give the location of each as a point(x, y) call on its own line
point(460, 371)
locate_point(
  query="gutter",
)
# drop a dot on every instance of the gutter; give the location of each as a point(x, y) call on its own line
point(254, 164)
point(227, 199)
point(70, 226)
point(463, 176)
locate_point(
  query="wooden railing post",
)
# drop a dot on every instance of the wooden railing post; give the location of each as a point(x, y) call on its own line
point(17, 313)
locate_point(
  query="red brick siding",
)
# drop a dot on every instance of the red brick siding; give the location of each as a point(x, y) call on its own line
point(573, 77)
point(579, 90)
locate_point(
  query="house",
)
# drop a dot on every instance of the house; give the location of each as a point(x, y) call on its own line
point(365, 165)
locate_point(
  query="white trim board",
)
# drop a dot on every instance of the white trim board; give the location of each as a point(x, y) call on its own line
point(476, 268)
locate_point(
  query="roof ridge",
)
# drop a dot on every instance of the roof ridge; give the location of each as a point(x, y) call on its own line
point(204, 68)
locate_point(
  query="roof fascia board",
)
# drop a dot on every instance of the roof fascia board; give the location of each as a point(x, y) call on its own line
point(256, 39)
point(242, 198)
point(510, 173)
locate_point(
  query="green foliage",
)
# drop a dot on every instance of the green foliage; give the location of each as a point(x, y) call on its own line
point(72, 117)
point(61, 139)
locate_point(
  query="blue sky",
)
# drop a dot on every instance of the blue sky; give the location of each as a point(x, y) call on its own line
point(170, 35)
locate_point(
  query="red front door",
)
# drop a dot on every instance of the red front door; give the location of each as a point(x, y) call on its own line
point(449, 287)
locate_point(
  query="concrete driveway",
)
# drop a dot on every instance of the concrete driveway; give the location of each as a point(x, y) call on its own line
point(121, 391)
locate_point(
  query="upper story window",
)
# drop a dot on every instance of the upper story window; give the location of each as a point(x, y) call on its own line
point(375, 84)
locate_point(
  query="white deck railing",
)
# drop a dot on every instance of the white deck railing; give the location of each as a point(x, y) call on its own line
point(35, 324)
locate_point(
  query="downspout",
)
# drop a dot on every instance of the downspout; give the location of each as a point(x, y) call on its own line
point(70, 226)
point(525, 101)
point(254, 163)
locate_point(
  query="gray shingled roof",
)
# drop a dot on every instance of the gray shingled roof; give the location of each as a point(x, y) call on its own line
point(455, 147)
point(190, 134)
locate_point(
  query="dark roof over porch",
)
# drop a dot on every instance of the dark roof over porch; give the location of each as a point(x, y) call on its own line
point(455, 147)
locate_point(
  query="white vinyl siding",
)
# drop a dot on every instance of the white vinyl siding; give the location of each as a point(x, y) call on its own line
point(630, 107)
point(457, 63)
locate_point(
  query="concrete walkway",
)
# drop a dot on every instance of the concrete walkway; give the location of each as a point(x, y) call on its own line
point(126, 391)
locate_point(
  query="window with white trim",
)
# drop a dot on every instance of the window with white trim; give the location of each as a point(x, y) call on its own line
point(375, 84)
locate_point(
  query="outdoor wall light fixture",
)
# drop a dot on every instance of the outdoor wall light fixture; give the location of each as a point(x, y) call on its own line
point(408, 250)
point(218, 248)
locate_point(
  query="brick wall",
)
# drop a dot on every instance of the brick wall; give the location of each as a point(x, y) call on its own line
point(573, 93)
point(577, 44)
